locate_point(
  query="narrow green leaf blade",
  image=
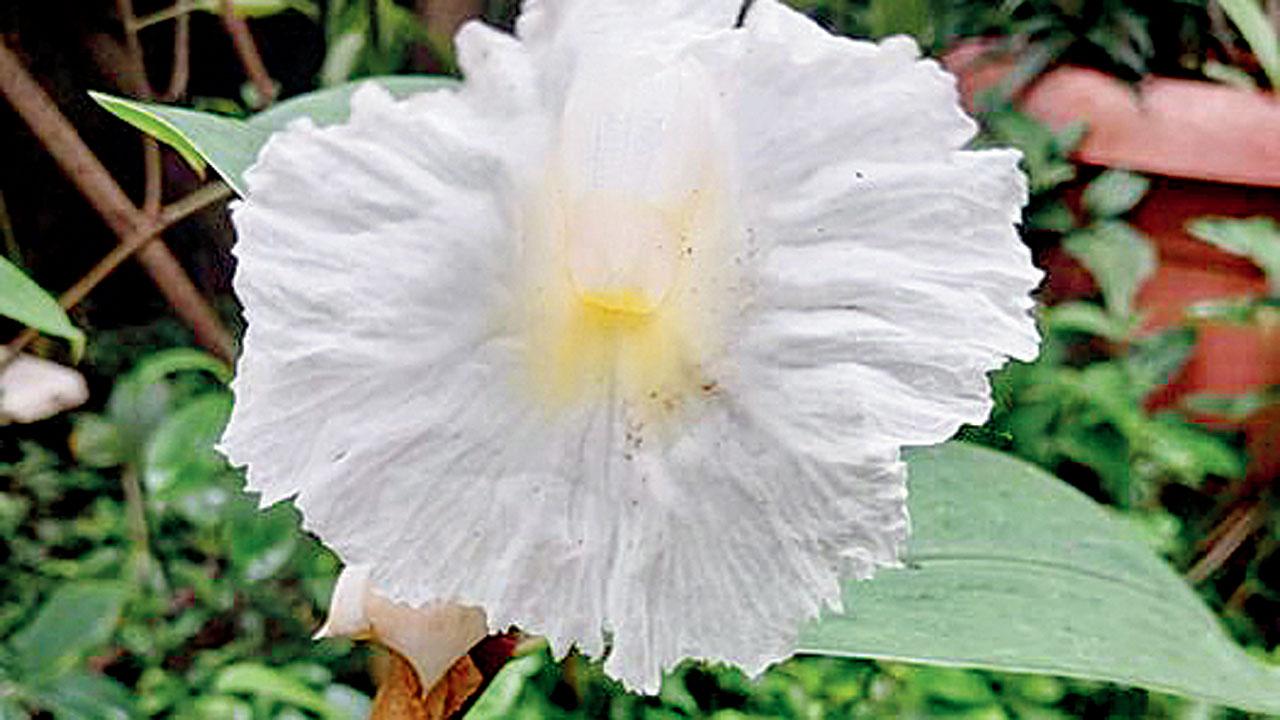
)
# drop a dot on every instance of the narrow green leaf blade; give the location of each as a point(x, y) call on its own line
point(231, 145)
point(226, 143)
point(253, 679)
point(1012, 570)
point(1258, 31)
point(23, 300)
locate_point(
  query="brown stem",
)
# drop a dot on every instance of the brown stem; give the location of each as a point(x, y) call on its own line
point(169, 216)
point(153, 170)
point(84, 169)
point(133, 47)
point(1228, 538)
point(11, 249)
point(247, 51)
point(181, 71)
point(136, 523)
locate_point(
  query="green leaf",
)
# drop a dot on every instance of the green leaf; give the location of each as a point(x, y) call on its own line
point(1043, 155)
point(222, 707)
point(181, 450)
point(231, 145)
point(1052, 217)
point(264, 682)
point(158, 365)
point(1114, 193)
point(1010, 569)
point(1229, 75)
point(97, 442)
point(77, 618)
point(1234, 407)
point(260, 8)
point(905, 17)
point(11, 709)
point(1258, 31)
point(500, 699)
point(1120, 260)
point(1086, 318)
point(1191, 452)
point(261, 542)
point(1257, 239)
point(1155, 360)
point(23, 300)
point(80, 695)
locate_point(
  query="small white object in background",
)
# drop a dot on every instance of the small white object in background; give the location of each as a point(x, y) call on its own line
point(431, 639)
point(33, 389)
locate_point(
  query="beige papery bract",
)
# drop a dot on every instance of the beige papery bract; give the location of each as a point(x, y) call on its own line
point(622, 338)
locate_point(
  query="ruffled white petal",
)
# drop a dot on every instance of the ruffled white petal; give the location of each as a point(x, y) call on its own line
point(431, 371)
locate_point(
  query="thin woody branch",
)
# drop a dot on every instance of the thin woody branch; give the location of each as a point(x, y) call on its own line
point(247, 51)
point(84, 169)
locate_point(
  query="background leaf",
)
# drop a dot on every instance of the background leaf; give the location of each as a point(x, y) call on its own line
point(23, 300)
point(1010, 569)
point(76, 619)
point(230, 144)
point(261, 8)
point(1257, 239)
point(1258, 31)
point(261, 681)
point(181, 450)
point(80, 695)
point(1114, 193)
point(1119, 258)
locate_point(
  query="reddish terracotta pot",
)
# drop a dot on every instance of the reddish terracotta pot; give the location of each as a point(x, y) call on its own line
point(1211, 150)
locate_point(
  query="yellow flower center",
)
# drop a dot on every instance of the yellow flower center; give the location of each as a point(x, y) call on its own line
point(630, 254)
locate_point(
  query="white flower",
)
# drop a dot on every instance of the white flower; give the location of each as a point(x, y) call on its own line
point(622, 338)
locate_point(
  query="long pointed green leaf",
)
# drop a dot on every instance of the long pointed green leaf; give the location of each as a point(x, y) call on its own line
point(23, 300)
point(1263, 38)
point(1010, 569)
point(230, 144)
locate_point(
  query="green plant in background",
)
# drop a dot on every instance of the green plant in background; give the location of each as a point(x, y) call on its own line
point(1260, 33)
point(41, 665)
point(1125, 37)
point(372, 37)
point(1080, 402)
point(1088, 409)
point(1044, 160)
point(1257, 240)
point(170, 582)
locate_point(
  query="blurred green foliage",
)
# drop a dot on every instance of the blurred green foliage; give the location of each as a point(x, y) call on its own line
point(176, 597)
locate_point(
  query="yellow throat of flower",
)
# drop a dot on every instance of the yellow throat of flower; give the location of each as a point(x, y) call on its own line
point(629, 247)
